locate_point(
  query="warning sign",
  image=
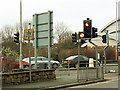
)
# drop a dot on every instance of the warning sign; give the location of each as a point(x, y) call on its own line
point(28, 34)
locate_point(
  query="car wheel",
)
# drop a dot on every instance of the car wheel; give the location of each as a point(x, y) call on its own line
point(55, 66)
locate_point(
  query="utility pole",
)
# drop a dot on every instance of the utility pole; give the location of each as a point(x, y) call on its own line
point(20, 60)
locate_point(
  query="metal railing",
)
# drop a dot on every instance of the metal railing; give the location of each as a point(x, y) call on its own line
point(91, 73)
point(111, 66)
point(86, 73)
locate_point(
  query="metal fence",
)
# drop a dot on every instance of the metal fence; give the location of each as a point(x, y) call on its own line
point(93, 73)
point(80, 75)
point(111, 66)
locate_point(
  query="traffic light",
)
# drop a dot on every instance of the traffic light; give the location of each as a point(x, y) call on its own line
point(16, 38)
point(74, 37)
point(104, 38)
point(81, 35)
point(94, 34)
point(87, 26)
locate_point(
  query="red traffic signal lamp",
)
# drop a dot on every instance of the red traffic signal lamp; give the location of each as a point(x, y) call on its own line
point(16, 38)
point(87, 27)
point(86, 24)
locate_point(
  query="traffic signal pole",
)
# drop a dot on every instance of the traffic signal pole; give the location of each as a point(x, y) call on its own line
point(107, 36)
point(96, 57)
point(78, 74)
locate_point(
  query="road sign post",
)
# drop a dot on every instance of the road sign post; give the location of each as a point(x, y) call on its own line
point(43, 33)
point(29, 35)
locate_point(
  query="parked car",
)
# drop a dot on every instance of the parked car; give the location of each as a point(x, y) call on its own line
point(14, 62)
point(72, 61)
point(43, 61)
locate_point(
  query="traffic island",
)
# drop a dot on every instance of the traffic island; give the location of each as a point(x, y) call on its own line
point(23, 76)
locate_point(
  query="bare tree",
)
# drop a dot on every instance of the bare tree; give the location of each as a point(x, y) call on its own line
point(7, 31)
point(67, 35)
point(7, 35)
point(60, 31)
point(17, 27)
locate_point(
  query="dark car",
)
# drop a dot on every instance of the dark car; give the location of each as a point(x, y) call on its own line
point(72, 61)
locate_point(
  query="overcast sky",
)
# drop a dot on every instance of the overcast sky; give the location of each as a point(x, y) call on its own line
point(71, 12)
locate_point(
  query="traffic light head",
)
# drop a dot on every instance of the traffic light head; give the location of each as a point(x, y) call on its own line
point(94, 34)
point(74, 37)
point(87, 25)
point(81, 35)
point(104, 38)
point(16, 38)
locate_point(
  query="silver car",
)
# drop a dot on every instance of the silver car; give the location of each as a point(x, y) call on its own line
point(42, 62)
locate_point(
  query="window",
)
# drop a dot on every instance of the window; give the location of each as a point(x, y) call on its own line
point(85, 58)
point(44, 59)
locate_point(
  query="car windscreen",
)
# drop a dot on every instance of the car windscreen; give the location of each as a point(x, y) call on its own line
point(44, 59)
point(84, 58)
point(26, 59)
point(71, 58)
point(38, 59)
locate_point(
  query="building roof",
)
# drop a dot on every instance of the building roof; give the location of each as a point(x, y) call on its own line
point(113, 29)
point(98, 41)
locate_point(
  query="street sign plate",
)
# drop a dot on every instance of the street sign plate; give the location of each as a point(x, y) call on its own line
point(29, 34)
point(43, 28)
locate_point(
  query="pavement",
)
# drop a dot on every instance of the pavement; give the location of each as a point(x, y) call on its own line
point(59, 82)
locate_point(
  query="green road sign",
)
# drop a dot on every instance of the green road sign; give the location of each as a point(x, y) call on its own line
point(43, 33)
point(43, 26)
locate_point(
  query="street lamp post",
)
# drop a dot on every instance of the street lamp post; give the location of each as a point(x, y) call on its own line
point(21, 34)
